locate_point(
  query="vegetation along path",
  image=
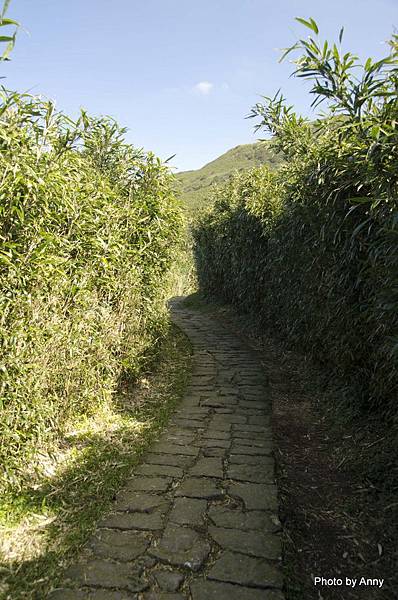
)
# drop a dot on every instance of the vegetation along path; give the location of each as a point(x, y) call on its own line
point(198, 519)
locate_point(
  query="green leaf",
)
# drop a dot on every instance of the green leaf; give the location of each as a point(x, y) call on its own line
point(287, 51)
point(311, 24)
point(359, 199)
point(314, 26)
point(8, 22)
point(5, 7)
point(8, 49)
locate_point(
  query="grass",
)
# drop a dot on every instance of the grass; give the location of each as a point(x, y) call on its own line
point(195, 185)
point(43, 528)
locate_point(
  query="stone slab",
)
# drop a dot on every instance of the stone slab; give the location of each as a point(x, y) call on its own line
point(213, 452)
point(189, 423)
point(253, 473)
point(254, 459)
point(250, 428)
point(162, 470)
point(168, 581)
point(215, 590)
point(139, 502)
point(123, 546)
point(105, 574)
point(256, 496)
point(237, 519)
point(245, 570)
point(188, 511)
point(199, 488)
point(214, 443)
point(264, 441)
point(207, 467)
point(181, 546)
point(125, 520)
point(253, 543)
point(174, 460)
point(251, 450)
point(216, 434)
point(167, 448)
point(148, 484)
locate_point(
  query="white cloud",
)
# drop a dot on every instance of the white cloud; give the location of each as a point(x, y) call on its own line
point(204, 87)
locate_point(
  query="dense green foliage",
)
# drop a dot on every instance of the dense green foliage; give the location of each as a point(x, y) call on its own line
point(194, 186)
point(312, 249)
point(88, 228)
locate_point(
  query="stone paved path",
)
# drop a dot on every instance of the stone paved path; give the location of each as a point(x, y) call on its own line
point(198, 520)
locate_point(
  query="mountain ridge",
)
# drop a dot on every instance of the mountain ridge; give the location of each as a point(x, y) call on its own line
point(194, 185)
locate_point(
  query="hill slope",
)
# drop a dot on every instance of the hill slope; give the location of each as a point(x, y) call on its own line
point(194, 185)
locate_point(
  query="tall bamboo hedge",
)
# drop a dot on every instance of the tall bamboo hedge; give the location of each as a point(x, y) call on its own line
point(312, 250)
point(88, 228)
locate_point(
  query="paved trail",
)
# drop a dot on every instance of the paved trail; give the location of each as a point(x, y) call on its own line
point(198, 518)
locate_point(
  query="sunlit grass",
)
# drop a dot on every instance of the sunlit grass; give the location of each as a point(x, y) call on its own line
point(43, 528)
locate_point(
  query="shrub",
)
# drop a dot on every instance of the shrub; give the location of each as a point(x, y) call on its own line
point(312, 250)
point(88, 225)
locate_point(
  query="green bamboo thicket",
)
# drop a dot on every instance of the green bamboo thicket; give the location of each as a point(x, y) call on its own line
point(88, 229)
point(312, 249)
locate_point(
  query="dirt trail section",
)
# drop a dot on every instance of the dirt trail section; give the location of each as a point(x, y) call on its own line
point(198, 519)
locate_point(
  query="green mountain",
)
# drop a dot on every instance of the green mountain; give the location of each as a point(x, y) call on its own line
point(193, 186)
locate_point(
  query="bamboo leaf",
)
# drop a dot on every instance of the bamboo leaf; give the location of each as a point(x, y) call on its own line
point(311, 24)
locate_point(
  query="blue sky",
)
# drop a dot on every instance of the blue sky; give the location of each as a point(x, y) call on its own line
point(180, 74)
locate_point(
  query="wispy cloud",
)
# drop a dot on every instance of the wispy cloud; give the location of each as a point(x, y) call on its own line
point(204, 87)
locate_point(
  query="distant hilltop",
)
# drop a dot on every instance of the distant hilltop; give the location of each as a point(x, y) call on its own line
point(194, 185)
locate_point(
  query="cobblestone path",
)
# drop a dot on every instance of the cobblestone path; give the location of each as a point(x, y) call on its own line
point(198, 518)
